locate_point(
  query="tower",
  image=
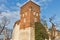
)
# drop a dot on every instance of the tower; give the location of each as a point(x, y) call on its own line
point(30, 13)
point(24, 28)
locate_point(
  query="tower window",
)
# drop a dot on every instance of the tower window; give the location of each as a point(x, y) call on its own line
point(31, 8)
point(36, 14)
point(24, 20)
point(23, 15)
point(35, 20)
point(26, 13)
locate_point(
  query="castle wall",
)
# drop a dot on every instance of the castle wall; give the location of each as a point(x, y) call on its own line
point(16, 33)
point(23, 34)
point(27, 34)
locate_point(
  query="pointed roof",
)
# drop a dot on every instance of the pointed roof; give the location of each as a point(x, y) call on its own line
point(30, 2)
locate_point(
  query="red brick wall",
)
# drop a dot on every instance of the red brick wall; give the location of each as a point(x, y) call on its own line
point(30, 17)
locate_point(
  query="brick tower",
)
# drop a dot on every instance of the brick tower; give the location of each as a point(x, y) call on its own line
point(24, 28)
point(30, 13)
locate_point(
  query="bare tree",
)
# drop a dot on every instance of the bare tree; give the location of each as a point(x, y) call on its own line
point(51, 19)
point(43, 21)
point(4, 22)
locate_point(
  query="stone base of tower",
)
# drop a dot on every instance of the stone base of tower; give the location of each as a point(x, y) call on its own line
point(23, 34)
point(27, 34)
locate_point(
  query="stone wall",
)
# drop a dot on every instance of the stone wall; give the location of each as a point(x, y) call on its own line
point(23, 34)
point(16, 33)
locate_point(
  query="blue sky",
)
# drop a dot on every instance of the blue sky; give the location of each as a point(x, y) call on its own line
point(11, 9)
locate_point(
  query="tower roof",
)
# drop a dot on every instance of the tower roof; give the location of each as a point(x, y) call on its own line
point(30, 2)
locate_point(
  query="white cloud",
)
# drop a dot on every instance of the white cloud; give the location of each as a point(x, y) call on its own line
point(14, 8)
point(5, 14)
point(29, 0)
point(43, 0)
point(6, 11)
point(18, 4)
point(42, 3)
point(11, 15)
point(3, 7)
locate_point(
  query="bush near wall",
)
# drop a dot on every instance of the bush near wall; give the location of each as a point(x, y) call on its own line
point(40, 32)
